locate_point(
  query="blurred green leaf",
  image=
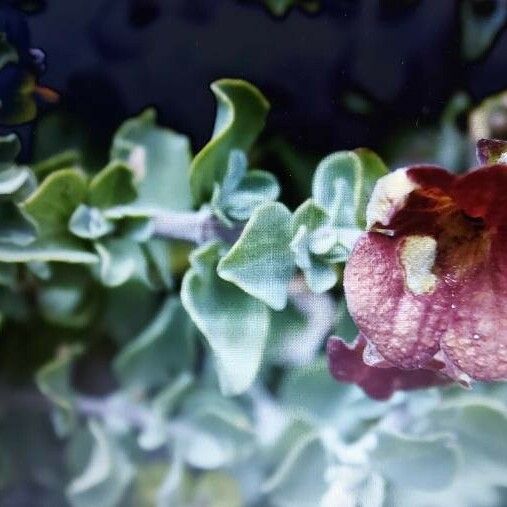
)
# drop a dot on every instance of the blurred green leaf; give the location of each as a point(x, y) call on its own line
point(164, 349)
point(89, 223)
point(216, 489)
point(300, 481)
point(53, 380)
point(481, 22)
point(113, 186)
point(219, 432)
point(428, 462)
point(107, 475)
point(10, 147)
point(54, 201)
point(121, 260)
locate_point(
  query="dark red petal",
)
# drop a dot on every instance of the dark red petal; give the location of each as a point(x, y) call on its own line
point(404, 327)
point(346, 364)
point(482, 193)
point(476, 338)
point(431, 176)
point(489, 151)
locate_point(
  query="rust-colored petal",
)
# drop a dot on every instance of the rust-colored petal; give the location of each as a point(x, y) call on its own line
point(346, 364)
point(482, 193)
point(476, 337)
point(431, 176)
point(404, 324)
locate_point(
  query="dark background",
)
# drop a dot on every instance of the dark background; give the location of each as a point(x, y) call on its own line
point(401, 59)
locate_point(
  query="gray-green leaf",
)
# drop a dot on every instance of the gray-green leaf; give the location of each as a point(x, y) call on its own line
point(261, 261)
point(234, 324)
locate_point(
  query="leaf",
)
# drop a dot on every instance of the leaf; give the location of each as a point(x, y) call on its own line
point(234, 324)
point(121, 260)
point(479, 28)
point(241, 115)
point(14, 227)
point(373, 169)
point(165, 348)
point(281, 7)
point(21, 106)
point(66, 295)
point(105, 478)
point(10, 146)
point(311, 393)
point(53, 380)
point(13, 179)
point(8, 53)
point(241, 192)
point(53, 203)
point(113, 186)
point(58, 249)
point(343, 183)
point(299, 481)
point(316, 246)
point(296, 333)
point(219, 432)
point(67, 159)
point(89, 223)
point(480, 426)
point(160, 161)
point(261, 262)
point(217, 489)
point(427, 462)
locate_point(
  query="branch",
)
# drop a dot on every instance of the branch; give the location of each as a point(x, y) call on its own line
point(195, 227)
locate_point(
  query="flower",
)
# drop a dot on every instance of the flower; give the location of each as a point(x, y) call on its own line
point(427, 284)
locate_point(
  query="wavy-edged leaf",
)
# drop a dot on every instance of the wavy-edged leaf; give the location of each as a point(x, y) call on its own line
point(481, 22)
point(234, 324)
point(219, 434)
point(113, 186)
point(241, 192)
point(160, 160)
point(14, 227)
point(66, 159)
point(10, 145)
point(414, 462)
point(343, 182)
point(121, 260)
point(241, 115)
point(299, 481)
point(13, 179)
point(53, 380)
point(261, 261)
point(162, 350)
point(57, 249)
point(89, 223)
point(480, 426)
point(54, 201)
point(106, 476)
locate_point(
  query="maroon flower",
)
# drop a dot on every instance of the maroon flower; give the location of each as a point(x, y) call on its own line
point(427, 285)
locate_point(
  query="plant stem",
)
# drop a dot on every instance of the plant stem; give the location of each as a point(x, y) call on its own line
point(195, 227)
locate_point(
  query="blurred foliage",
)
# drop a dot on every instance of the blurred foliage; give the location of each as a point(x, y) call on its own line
point(189, 375)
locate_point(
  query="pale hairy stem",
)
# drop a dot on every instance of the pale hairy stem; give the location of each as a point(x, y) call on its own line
point(195, 227)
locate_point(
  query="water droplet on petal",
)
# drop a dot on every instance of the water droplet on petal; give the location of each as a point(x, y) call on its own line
point(476, 336)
